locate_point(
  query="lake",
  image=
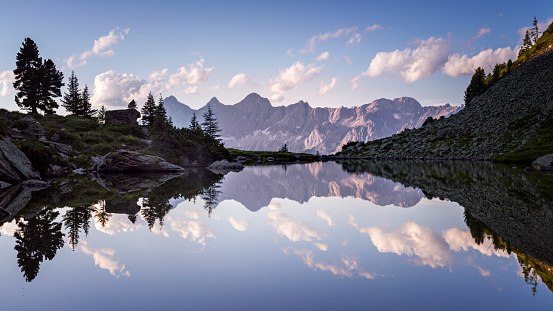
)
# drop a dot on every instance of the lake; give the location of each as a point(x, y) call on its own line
point(317, 236)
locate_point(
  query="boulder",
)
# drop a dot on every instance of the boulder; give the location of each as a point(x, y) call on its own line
point(124, 161)
point(224, 164)
point(544, 163)
point(35, 185)
point(14, 164)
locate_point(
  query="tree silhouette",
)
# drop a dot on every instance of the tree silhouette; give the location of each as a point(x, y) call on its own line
point(149, 111)
point(75, 220)
point(37, 82)
point(71, 100)
point(100, 213)
point(210, 124)
point(36, 240)
point(210, 196)
point(132, 105)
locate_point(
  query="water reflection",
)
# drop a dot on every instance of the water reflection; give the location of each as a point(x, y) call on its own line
point(506, 211)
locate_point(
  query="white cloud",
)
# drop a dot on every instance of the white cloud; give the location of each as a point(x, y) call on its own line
point(292, 229)
point(213, 88)
point(103, 259)
point(312, 42)
point(239, 79)
point(461, 240)
point(101, 48)
point(463, 65)
point(327, 87)
point(6, 81)
point(240, 225)
point(324, 56)
point(348, 59)
point(118, 223)
point(321, 246)
point(411, 65)
point(355, 82)
point(192, 74)
point(373, 27)
point(293, 76)
point(349, 265)
point(192, 90)
point(322, 215)
point(355, 39)
point(9, 228)
point(481, 32)
point(115, 90)
point(276, 98)
point(412, 240)
point(193, 230)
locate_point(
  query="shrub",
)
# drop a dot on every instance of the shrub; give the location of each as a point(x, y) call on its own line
point(40, 156)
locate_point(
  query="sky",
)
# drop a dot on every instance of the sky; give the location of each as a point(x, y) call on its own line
point(328, 53)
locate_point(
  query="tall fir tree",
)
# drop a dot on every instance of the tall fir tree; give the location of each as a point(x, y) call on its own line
point(161, 112)
point(71, 100)
point(37, 82)
point(210, 125)
point(476, 86)
point(149, 111)
point(85, 106)
point(101, 116)
point(194, 125)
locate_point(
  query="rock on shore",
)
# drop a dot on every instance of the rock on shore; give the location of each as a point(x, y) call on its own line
point(124, 161)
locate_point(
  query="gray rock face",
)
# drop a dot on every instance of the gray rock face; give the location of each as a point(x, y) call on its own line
point(14, 164)
point(544, 164)
point(124, 161)
point(122, 116)
point(254, 124)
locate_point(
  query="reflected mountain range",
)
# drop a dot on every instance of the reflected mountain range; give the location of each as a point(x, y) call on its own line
point(255, 187)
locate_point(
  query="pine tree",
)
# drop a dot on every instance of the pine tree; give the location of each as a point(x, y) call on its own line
point(194, 125)
point(101, 116)
point(72, 100)
point(161, 112)
point(210, 124)
point(477, 85)
point(37, 83)
point(132, 105)
point(283, 148)
point(535, 31)
point(85, 107)
point(149, 111)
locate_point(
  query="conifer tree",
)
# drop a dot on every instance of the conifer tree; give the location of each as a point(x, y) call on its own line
point(535, 31)
point(477, 85)
point(161, 112)
point(71, 101)
point(85, 107)
point(36, 82)
point(149, 111)
point(101, 115)
point(194, 125)
point(210, 125)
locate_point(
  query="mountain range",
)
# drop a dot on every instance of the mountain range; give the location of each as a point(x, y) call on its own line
point(254, 124)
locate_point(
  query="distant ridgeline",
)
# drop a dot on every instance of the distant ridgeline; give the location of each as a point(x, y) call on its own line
point(254, 124)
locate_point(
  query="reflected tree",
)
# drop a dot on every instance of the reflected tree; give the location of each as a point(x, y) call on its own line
point(155, 211)
point(75, 220)
point(210, 196)
point(37, 239)
point(100, 213)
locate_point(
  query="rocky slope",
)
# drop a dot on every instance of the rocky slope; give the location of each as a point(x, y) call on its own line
point(254, 124)
point(512, 114)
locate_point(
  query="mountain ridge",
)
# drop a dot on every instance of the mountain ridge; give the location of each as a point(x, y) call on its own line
point(255, 124)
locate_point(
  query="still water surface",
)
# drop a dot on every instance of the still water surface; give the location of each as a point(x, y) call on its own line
point(319, 236)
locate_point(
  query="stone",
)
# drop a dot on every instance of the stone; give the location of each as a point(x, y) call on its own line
point(226, 165)
point(35, 185)
point(14, 164)
point(122, 116)
point(241, 159)
point(544, 163)
point(124, 161)
point(60, 148)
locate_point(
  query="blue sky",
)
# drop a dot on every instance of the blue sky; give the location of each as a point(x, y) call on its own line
point(331, 54)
